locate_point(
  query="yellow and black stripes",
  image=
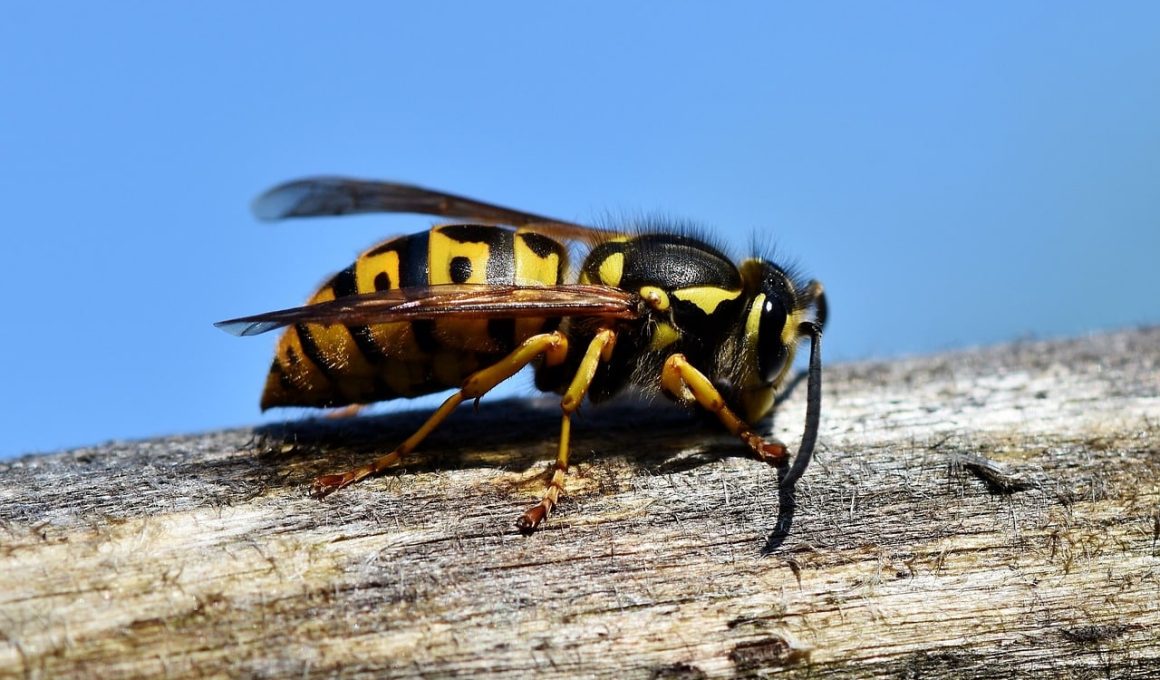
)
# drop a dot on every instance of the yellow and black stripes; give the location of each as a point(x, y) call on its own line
point(461, 306)
point(468, 253)
point(317, 365)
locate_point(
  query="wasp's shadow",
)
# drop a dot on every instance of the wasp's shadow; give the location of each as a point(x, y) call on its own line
point(514, 434)
point(511, 433)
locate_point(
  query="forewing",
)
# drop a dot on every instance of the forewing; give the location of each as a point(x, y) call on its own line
point(461, 301)
point(315, 196)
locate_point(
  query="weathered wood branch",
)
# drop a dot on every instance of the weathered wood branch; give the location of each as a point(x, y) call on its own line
point(983, 513)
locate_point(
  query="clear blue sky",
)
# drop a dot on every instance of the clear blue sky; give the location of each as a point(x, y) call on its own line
point(956, 174)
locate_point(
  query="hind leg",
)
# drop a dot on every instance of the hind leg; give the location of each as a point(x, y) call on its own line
point(552, 346)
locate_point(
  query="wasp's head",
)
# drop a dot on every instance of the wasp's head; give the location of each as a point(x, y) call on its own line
point(770, 334)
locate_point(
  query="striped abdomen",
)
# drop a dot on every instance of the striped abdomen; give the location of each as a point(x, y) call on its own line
point(317, 365)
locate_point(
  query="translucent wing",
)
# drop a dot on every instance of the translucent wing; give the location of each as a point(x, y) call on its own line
point(314, 196)
point(462, 301)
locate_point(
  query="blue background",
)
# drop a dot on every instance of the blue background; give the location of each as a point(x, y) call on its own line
point(956, 175)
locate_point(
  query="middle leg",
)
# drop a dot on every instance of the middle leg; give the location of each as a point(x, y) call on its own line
point(554, 348)
point(599, 349)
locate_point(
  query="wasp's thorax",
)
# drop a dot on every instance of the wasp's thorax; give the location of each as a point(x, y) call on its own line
point(691, 293)
point(736, 325)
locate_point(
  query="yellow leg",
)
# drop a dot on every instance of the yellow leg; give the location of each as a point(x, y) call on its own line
point(554, 347)
point(686, 383)
point(600, 349)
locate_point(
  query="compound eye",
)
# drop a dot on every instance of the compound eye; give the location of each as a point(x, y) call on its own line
point(771, 351)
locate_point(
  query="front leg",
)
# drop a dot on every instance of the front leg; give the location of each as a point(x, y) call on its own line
point(683, 381)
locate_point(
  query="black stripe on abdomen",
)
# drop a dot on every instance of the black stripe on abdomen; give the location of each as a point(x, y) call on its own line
point(312, 351)
point(345, 284)
point(414, 268)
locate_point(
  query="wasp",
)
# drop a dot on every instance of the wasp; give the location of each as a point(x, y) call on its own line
point(467, 305)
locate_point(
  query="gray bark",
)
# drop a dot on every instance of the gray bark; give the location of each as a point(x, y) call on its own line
point(983, 513)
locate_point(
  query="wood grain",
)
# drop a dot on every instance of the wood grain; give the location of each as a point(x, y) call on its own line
point(985, 513)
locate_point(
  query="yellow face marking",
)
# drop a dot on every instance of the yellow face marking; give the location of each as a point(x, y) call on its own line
point(753, 320)
point(663, 336)
point(655, 297)
point(790, 338)
point(789, 333)
point(708, 298)
point(756, 397)
point(611, 269)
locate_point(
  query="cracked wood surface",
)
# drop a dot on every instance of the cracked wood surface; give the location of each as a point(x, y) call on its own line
point(982, 513)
